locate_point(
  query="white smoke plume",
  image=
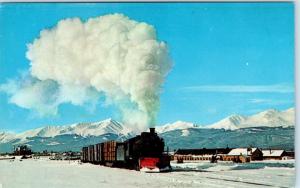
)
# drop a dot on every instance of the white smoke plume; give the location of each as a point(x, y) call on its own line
point(76, 62)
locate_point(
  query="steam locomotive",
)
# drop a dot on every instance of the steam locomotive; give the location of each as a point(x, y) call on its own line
point(144, 152)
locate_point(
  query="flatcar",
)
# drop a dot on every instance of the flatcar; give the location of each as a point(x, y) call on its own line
point(144, 152)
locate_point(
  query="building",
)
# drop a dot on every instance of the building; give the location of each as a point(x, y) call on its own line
point(236, 158)
point(275, 154)
point(290, 154)
point(203, 154)
point(22, 150)
point(243, 155)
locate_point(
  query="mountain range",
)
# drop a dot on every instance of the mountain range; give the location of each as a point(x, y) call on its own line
point(270, 128)
point(268, 118)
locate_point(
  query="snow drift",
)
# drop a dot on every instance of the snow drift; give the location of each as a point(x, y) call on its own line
point(76, 62)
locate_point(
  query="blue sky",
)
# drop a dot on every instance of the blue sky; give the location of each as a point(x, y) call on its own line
point(228, 57)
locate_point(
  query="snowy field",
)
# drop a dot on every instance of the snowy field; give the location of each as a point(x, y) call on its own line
point(43, 173)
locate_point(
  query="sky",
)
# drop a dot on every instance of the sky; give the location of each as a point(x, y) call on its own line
point(229, 58)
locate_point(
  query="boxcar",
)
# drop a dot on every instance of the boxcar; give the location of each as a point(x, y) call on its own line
point(84, 156)
point(91, 154)
point(98, 153)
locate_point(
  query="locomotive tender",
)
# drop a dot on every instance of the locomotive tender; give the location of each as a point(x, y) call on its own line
point(144, 152)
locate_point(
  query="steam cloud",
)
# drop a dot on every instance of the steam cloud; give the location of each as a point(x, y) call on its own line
point(77, 62)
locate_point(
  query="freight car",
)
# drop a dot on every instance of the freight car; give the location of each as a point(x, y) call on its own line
point(144, 152)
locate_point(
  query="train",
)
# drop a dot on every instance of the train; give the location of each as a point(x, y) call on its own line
point(144, 152)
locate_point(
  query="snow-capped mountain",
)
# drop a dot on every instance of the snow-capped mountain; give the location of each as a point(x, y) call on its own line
point(175, 126)
point(268, 118)
point(98, 128)
point(107, 126)
point(5, 137)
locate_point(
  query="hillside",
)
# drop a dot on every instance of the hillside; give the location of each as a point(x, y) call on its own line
point(262, 137)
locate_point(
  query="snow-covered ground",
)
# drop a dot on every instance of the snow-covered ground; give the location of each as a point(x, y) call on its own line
point(37, 173)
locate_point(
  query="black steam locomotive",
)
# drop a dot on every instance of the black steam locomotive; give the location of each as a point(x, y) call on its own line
point(144, 152)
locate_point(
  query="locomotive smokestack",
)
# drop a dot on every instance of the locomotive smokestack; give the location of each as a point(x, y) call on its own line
point(152, 130)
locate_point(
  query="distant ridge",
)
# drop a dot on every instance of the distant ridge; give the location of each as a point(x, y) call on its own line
point(270, 128)
point(268, 118)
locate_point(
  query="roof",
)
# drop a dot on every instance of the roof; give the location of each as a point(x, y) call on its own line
point(272, 153)
point(242, 151)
